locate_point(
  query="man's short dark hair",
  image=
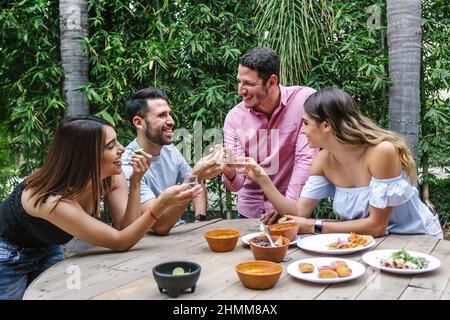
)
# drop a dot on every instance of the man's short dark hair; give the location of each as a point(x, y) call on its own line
point(264, 61)
point(137, 105)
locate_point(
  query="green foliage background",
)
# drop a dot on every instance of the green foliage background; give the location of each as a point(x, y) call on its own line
point(190, 49)
point(435, 112)
point(441, 197)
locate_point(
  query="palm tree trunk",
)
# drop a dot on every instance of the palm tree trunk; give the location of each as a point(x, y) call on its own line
point(75, 63)
point(404, 42)
point(425, 155)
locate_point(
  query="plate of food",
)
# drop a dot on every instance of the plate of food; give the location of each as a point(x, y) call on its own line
point(325, 270)
point(246, 238)
point(401, 261)
point(336, 243)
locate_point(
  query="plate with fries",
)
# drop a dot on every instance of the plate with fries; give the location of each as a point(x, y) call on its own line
point(336, 243)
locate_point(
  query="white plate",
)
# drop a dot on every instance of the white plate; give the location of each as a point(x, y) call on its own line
point(358, 269)
point(320, 242)
point(373, 259)
point(245, 239)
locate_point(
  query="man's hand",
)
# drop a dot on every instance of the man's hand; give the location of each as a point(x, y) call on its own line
point(270, 217)
point(229, 171)
point(207, 168)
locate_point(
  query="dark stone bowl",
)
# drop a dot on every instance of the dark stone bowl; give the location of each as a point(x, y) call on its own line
point(174, 285)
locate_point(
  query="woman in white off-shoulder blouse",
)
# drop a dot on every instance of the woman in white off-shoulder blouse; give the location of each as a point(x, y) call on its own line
point(369, 172)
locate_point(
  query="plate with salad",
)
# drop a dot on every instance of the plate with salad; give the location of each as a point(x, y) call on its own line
point(401, 261)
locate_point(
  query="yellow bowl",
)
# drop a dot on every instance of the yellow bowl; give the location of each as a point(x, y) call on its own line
point(222, 240)
point(259, 274)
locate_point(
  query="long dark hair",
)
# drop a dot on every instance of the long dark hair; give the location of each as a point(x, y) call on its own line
point(351, 127)
point(74, 160)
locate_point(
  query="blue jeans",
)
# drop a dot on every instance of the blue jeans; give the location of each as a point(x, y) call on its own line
point(20, 266)
point(241, 216)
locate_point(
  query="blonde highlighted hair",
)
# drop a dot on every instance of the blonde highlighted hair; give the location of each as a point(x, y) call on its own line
point(351, 127)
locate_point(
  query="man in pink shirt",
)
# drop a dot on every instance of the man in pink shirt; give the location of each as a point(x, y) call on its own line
point(266, 126)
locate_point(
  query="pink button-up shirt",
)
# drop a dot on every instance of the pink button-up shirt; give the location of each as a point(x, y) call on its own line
point(276, 144)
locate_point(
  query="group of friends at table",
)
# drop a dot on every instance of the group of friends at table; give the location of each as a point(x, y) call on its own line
point(290, 146)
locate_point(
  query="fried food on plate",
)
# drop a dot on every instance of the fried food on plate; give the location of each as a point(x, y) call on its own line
point(340, 263)
point(306, 267)
point(343, 271)
point(353, 241)
point(359, 239)
point(328, 273)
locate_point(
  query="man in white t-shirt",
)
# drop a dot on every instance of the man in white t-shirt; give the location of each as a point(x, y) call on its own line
point(149, 111)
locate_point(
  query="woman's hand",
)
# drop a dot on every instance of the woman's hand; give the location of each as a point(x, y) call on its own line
point(179, 195)
point(306, 225)
point(251, 168)
point(140, 163)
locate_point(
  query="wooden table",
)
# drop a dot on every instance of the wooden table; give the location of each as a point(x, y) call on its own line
point(128, 275)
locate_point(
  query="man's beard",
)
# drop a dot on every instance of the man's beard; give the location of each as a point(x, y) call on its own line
point(156, 138)
point(259, 97)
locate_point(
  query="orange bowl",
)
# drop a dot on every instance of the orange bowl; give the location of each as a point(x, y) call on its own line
point(258, 274)
point(287, 229)
point(269, 253)
point(222, 240)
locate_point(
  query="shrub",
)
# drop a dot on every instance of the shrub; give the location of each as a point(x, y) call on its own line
point(440, 197)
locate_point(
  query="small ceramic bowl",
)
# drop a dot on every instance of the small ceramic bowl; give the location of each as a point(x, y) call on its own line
point(175, 284)
point(287, 229)
point(269, 253)
point(258, 274)
point(222, 240)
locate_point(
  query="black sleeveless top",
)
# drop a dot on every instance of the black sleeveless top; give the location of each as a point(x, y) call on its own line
point(24, 230)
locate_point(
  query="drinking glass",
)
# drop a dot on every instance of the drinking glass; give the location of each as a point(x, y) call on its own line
point(239, 163)
point(222, 155)
point(191, 180)
point(227, 155)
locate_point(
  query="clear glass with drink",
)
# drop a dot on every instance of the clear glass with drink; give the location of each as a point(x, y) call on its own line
point(239, 164)
point(222, 155)
point(191, 180)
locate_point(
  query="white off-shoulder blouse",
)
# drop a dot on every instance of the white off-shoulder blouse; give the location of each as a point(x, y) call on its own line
point(409, 214)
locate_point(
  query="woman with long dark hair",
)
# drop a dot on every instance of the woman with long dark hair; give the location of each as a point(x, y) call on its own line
point(62, 198)
point(369, 172)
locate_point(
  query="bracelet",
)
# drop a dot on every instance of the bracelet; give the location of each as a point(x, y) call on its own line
point(153, 216)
